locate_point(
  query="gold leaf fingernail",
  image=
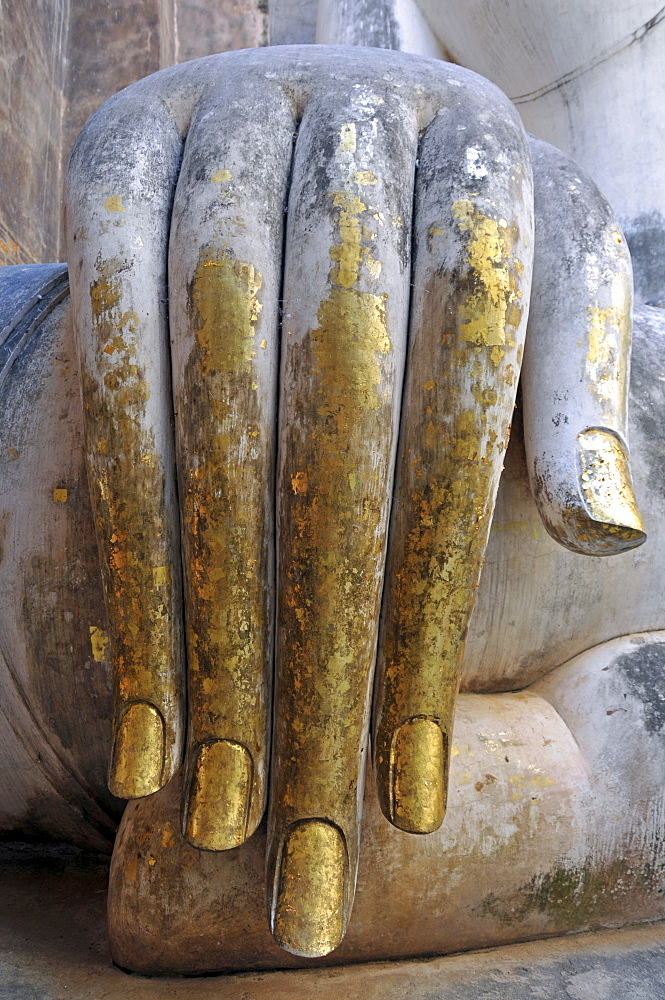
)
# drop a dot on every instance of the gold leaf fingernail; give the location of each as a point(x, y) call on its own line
point(418, 774)
point(219, 796)
point(137, 762)
point(309, 914)
point(607, 487)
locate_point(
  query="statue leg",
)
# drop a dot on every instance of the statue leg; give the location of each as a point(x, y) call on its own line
point(553, 825)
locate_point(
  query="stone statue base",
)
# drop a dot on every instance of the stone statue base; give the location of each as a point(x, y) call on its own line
point(42, 893)
point(553, 825)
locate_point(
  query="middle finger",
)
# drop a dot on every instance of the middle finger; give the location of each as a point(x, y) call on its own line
point(344, 336)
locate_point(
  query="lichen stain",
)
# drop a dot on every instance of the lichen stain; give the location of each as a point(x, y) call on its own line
point(581, 896)
point(10, 252)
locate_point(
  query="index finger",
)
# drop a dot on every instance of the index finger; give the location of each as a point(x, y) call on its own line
point(473, 243)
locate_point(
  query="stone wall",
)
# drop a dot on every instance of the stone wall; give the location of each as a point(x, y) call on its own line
point(33, 36)
point(61, 59)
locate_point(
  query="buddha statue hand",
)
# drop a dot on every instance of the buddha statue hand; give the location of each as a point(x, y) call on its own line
point(285, 216)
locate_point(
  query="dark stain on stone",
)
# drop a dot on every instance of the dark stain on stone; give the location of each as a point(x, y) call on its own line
point(643, 670)
point(646, 241)
point(579, 896)
point(647, 396)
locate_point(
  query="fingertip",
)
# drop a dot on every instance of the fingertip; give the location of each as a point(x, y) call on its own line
point(218, 804)
point(418, 776)
point(607, 490)
point(309, 911)
point(137, 761)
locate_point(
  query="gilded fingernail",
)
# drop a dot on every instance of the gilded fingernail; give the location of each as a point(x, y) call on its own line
point(418, 772)
point(607, 487)
point(137, 761)
point(309, 913)
point(219, 796)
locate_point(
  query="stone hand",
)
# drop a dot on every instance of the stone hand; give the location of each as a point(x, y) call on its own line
point(410, 204)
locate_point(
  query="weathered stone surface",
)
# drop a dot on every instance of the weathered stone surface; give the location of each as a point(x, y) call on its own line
point(32, 81)
point(47, 747)
point(110, 45)
point(553, 825)
point(573, 72)
point(53, 947)
point(293, 22)
point(59, 61)
point(587, 78)
point(576, 362)
point(203, 27)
